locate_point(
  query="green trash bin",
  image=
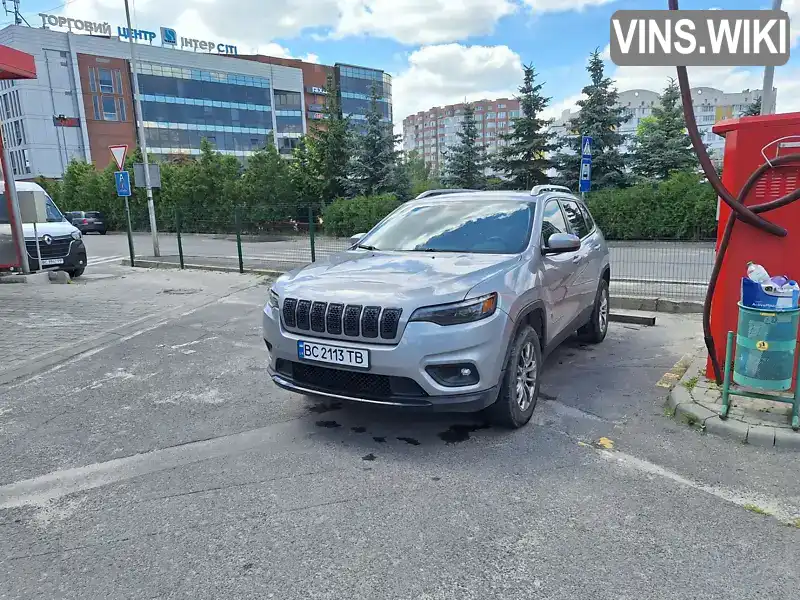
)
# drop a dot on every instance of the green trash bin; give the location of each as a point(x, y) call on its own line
point(765, 348)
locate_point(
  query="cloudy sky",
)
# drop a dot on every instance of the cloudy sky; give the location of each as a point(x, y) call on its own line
point(438, 51)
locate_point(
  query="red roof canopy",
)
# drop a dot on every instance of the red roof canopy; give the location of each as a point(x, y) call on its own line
point(16, 65)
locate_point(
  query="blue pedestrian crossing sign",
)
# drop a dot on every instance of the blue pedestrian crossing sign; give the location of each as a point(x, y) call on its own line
point(123, 179)
point(586, 146)
point(585, 178)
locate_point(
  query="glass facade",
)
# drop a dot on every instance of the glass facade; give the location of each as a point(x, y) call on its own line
point(356, 85)
point(181, 106)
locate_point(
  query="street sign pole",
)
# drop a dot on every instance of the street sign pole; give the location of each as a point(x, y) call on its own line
point(585, 174)
point(151, 208)
point(130, 233)
point(122, 179)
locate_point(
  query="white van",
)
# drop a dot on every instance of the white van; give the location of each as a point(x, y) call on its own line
point(60, 243)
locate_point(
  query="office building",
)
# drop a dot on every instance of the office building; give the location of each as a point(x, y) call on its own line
point(353, 83)
point(432, 131)
point(82, 99)
point(710, 106)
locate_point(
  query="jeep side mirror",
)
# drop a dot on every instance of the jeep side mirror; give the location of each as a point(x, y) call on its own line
point(354, 239)
point(559, 243)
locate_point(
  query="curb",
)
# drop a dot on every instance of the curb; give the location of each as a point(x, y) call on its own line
point(630, 319)
point(160, 264)
point(656, 305)
point(682, 407)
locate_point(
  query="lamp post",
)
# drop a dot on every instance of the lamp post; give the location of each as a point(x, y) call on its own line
point(151, 208)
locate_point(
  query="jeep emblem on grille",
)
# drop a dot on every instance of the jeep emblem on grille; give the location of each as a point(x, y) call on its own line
point(47, 239)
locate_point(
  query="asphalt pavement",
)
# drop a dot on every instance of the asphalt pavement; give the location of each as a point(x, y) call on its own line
point(671, 270)
point(165, 464)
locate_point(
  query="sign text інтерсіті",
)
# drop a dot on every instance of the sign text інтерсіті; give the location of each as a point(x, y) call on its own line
point(168, 35)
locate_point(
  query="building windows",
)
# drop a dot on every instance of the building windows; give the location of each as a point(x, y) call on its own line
point(109, 106)
point(501, 106)
point(106, 81)
point(96, 107)
point(491, 115)
point(287, 99)
point(501, 115)
point(92, 81)
point(513, 114)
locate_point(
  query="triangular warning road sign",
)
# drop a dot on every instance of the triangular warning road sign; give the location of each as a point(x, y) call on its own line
point(587, 148)
point(119, 152)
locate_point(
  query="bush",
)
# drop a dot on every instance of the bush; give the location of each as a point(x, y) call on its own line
point(348, 216)
point(679, 208)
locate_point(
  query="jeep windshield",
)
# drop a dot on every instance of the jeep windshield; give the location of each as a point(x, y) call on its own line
point(493, 227)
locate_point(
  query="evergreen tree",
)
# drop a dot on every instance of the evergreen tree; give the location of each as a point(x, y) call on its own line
point(600, 118)
point(373, 159)
point(328, 145)
point(661, 145)
point(265, 189)
point(523, 161)
point(753, 109)
point(466, 160)
point(420, 174)
point(307, 184)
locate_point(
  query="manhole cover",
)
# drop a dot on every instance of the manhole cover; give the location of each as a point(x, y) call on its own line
point(180, 291)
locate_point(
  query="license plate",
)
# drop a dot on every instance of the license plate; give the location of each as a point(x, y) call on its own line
point(46, 262)
point(337, 355)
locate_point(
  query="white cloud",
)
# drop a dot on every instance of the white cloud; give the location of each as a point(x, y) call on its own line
point(563, 5)
point(792, 7)
point(253, 21)
point(449, 73)
point(421, 21)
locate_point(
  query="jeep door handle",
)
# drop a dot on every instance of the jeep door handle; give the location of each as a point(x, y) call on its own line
point(577, 259)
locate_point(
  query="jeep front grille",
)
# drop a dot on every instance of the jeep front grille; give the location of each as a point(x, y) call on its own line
point(351, 320)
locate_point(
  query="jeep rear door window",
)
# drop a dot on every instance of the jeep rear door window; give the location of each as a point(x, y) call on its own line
point(446, 225)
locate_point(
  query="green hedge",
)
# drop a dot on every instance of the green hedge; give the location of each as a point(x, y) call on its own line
point(680, 208)
point(348, 216)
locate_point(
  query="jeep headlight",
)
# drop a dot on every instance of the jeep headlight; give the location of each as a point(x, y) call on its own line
point(274, 300)
point(472, 309)
point(76, 235)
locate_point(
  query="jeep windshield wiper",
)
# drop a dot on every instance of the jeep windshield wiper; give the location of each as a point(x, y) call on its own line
point(366, 247)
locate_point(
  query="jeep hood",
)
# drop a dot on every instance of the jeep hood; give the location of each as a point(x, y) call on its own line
point(393, 278)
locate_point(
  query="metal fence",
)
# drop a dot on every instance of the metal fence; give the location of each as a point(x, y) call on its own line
point(285, 238)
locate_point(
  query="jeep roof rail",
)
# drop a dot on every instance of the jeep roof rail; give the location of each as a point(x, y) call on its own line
point(442, 192)
point(538, 189)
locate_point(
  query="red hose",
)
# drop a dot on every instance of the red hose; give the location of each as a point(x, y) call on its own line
point(738, 209)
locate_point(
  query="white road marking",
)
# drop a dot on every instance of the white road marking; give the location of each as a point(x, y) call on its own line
point(205, 339)
point(778, 509)
point(103, 260)
point(41, 491)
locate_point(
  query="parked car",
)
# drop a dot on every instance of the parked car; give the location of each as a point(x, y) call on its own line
point(89, 222)
point(450, 303)
point(60, 243)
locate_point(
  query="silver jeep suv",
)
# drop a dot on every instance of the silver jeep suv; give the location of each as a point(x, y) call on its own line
point(450, 303)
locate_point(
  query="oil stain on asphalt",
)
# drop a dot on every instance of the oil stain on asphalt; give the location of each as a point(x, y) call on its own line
point(379, 439)
point(359, 429)
point(460, 433)
point(328, 424)
point(369, 457)
point(408, 440)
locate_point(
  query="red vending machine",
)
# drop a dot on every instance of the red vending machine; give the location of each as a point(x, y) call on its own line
point(749, 143)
